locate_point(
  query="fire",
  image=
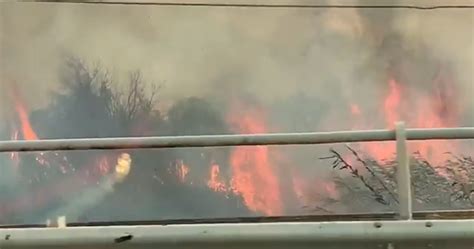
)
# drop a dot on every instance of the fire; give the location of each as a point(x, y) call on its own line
point(355, 110)
point(331, 189)
point(182, 170)
point(28, 132)
point(91, 174)
point(26, 128)
point(103, 165)
point(299, 189)
point(215, 182)
point(392, 104)
point(253, 175)
point(123, 166)
point(423, 111)
point(310, 192)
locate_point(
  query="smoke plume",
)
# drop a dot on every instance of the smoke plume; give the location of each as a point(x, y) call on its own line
point(272, 53)
point(228, 70)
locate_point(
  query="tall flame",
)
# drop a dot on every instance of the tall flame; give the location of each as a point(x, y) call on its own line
point(253, 175)
point(215, 182)
point(309, 192)
point(424, 111)
point(26, 128)
point(392, 104)
point(182, 170)
point(88, 175)
point(28, 132)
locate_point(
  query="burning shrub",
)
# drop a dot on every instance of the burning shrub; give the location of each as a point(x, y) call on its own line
point(226, 182)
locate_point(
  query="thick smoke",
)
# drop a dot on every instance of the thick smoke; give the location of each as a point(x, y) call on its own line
point(272, 53)
point(303, 66)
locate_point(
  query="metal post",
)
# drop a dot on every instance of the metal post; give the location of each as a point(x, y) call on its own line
point(403, 173)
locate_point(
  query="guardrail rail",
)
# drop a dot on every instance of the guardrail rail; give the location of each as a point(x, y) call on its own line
point(383, 232)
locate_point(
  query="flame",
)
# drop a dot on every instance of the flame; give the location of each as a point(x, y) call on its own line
point(103, 165)
point(253, 176)
point(182, 170)
point(299, 189)
point(122, 169)
point(89, 175)
point(215, 182)
point(311, 192)
point(383, 151)
point(355, 110)
point(424, 111)
point(26, 128)
point(331, 189)
point(37, 198)
point(392, 104)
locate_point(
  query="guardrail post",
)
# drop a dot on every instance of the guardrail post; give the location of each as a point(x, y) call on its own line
point(403, 173)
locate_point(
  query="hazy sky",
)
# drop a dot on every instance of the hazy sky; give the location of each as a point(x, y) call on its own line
point(201, 51)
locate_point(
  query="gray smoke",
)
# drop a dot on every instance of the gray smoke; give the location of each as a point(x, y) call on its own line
point(302, 65)
point(272, 53)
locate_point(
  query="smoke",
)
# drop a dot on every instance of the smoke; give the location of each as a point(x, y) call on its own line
point(272, 53)
point(449, 38)
point(303, 66)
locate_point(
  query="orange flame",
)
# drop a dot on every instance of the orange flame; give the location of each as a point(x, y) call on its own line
point(423, 112)
point(26, 128)
point(215, 183)
point(314, 191)
point(103, 165)
point(22, 112)
point(299, 189)
point(355, 110)
point(392, 104)
point(28, 132)
point(40, 197)
point(182, 170)
point(253, 176)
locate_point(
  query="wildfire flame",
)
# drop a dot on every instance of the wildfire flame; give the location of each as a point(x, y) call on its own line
point(182, 170)
point(38, 198)
point(355, 110)
point(253, 175)
point(311, 192)
point(215, 182)
point(26, 128)
point(122, 169)
point(425, 111)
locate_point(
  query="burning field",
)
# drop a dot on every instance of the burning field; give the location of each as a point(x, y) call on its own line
point(354, 73)
point(222, 182)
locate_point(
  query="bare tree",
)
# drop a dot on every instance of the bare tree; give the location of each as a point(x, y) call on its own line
point(137, 100)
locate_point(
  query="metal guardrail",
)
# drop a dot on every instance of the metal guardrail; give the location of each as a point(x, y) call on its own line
point(244, 235)
point(191, 235)
point(234, 140)
point(400, 135)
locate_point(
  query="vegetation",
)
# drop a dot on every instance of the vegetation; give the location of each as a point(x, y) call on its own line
point(90, 104)
point(367, 183)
